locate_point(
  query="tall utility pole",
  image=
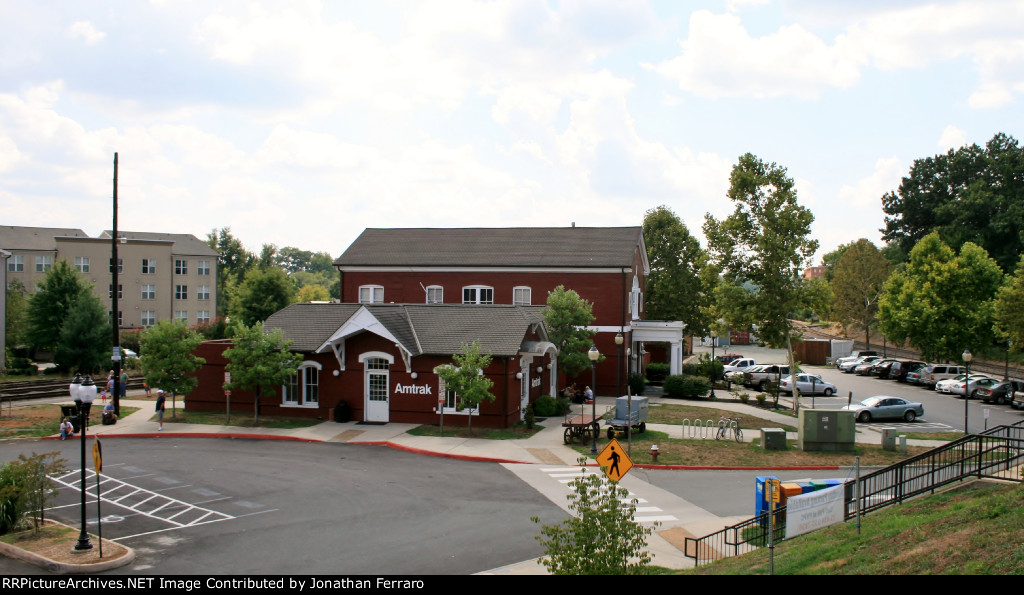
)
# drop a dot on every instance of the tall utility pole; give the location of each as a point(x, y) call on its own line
point(115, 315)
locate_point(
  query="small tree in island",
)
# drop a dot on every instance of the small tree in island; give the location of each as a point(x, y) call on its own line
point(465, 378)
point(259, 361)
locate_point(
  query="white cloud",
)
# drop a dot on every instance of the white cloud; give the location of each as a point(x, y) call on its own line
point(87, 32)
point(952, 138)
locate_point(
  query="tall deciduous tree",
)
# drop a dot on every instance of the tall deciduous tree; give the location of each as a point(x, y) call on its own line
point(84, 343)
point(857, 285)
point(466, 378)
point(168, 358)
point(942, 302)
point(233, 262)
point(971, 194)
point(260, 361)
point(761, 251)
point(263, 292)
point(567, 317)
point(1010, 309)
point(50, 304)
point(17, 313)
point(675, 287)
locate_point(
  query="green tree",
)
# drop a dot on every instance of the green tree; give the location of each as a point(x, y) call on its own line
point(26, 487)
point(857, 285)
point(259, 361)
point(970, 194)
point(761, 251)
point(84, 344)
point(17, 313)
point(169, 360)
point(830, 260)
point(602, 537)
point(264, 291)
point(1010, 309)
point(233, 262)
point(567, 317)
point(942, 302)
point(50, 304)
point(675, 288)
point(293, 259)
point(268, 256)
point(313, 293)
point(466, 379)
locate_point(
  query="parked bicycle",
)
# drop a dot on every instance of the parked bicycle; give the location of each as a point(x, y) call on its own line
point(727, 425)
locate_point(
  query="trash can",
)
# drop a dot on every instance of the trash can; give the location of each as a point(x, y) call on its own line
point(342, 412)
point(71, 413)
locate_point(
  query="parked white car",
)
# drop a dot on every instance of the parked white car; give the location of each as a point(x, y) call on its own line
point(808, 384)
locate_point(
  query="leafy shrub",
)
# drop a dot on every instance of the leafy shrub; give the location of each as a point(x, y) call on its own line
point(22, 366)
point(528, 417)
point(637, 383)
point(26, 487)
point(683, 385)
point(545, 406)
point(656, 372)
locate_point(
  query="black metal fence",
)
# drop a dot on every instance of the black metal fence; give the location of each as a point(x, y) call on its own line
point(995, 453)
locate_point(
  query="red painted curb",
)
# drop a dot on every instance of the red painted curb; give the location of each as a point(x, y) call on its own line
point(195, 435)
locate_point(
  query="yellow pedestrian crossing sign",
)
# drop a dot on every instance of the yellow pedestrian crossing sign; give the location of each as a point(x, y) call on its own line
point(614, 460)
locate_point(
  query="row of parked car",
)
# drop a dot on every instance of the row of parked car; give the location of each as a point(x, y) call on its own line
point(747, 372)
point(945, 378)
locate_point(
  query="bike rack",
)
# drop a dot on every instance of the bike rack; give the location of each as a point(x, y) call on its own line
point(699, 429)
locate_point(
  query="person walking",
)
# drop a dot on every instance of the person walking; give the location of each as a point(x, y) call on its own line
point(160, 401)
point(124, 383)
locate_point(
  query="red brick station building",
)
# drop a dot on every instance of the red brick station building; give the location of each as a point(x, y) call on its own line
point(411, 297)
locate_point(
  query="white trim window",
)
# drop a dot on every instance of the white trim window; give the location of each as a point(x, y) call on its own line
point(477, 294)
point(16, 264)
point(110, 290)
point(522, 296)
point(120, 317)
point(181, 316)
point(435, 294)
point(203, 293)
point(148, 317)
point(120, 265)
point(82, 264)
point(180, 266)
point(203, 267)
point(203, 316)
point(451, 398)
point(371, 294)
point(181, 292)
point(44, 263)
point(149, 291)
point(148, 266)
point(303, 387)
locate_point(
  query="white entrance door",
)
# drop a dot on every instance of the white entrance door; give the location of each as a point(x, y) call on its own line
point(524, 392)
point(377, 383)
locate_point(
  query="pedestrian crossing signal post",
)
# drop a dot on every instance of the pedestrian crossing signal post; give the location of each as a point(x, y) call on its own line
point(614, 460)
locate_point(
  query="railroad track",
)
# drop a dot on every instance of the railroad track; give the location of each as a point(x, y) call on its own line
point(44, 388)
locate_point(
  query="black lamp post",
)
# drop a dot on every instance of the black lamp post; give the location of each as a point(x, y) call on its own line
point(83, 394)
point(714, 338)
point(593, 354)
point(967, 360)
point(619, 340)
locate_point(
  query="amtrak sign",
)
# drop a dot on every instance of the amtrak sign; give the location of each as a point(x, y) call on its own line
point(412, 389)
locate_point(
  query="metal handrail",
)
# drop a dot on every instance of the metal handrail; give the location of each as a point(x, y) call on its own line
point(994, 453)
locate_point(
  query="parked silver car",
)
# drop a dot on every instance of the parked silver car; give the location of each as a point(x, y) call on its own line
point(885, 407)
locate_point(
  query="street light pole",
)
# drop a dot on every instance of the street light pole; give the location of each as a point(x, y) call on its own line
point(593, 354)
point(967, 384)
point(83, 394)
point(714, 337)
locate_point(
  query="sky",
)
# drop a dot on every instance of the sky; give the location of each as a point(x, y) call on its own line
point(301, 123)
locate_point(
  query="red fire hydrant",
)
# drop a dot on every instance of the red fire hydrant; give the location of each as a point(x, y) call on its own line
point(654, 453)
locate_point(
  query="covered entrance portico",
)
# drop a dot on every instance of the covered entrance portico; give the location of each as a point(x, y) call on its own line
point(657, 331)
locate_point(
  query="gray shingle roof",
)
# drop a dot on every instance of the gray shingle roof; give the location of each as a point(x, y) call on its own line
point(13, 237)
point(423, 329)
point(494, 247)
point(184, 243)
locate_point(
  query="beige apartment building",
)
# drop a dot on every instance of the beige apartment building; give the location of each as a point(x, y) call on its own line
point(160, 275)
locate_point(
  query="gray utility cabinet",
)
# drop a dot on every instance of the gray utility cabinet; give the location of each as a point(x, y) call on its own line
point(826, 430)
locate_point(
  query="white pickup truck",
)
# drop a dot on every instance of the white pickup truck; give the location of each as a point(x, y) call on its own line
point(738, 365)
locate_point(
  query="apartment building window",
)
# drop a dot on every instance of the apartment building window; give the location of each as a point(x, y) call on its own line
point(148, 266)
point(522, 296)
point(149, 292)
point(120, 291)
point(120, 265)
point(435, 294)
point(82, 264)
point(203, 316)
point(148, 318)
point(203, 267)
point(180, 267)
point(371, 294)
point(181, 315)
point(44, 263)
point(477, 294)
point(203, 292)
point(181, 292)
point(120, 317)
point(16, 264)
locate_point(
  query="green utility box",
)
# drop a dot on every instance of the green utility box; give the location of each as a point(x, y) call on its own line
point(828, 430)
point(773, 439)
